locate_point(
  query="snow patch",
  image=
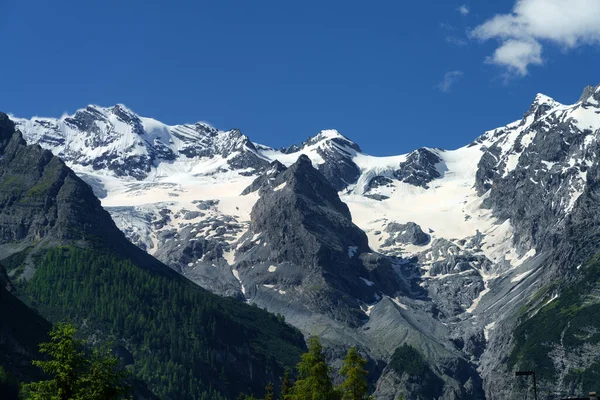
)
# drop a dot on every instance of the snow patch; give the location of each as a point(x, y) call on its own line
point(237, 276)
point(367, 282)
point(488, 328)
point(520, 277)
point(397, 301)
point(278, 188)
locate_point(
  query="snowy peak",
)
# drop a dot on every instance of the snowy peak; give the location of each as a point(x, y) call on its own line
point(116, 141)
point(541, 105)
point(329, 151)
point(332, 137)
point(592, 92)
point(323, 140)
point(546, 156)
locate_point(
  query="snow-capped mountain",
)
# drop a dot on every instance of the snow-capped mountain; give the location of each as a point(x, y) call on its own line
point(466, 238)
point(117, 142)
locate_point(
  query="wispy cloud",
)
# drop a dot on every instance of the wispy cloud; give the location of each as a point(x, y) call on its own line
point(463, 10)
point(450, 79)
point(446, 26)
point(456, 41)
point(532, 24)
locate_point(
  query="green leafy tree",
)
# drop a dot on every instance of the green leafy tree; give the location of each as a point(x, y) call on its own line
point(313, 381)
point(72, 375)
point(355, 385)
point(286, 386)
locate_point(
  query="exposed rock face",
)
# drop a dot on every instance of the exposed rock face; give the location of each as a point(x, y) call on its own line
point(420, 168)
point(265, 181)
point(544, 157)
point(336, 152)
point(43, 200)
point(304, 258)
point(409, 233)
point(41, 195)
point(304, 227)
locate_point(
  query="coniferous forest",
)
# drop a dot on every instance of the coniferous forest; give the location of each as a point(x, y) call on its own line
point(182, 341)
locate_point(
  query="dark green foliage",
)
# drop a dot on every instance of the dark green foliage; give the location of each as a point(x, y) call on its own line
point(21, 331)
point(73, 375)
point(408, 360)
point(9, 387)
point(286, 386)
point(355, 385)
point(243, 396)
point(186, 342)
point(571, 319)
point(313, 381)
point(269, 392)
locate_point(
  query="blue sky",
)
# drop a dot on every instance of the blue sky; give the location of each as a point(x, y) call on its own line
point(391, 75)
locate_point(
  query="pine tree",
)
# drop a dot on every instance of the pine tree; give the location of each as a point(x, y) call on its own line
point(269, 392)
point(103, 379)
point(313, 381)
point(66, 364)
point(355, 385)
point(286, 386)
point(72, 375)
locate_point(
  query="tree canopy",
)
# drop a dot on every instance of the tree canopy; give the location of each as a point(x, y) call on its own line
point(355, 385)
point(74, 373)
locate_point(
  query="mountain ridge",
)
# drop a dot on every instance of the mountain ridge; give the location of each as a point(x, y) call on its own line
point(457, 229)
point(66, 258)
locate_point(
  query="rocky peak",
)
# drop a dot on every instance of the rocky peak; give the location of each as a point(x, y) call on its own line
point(588, 92)
point(266, 181)
point(540, 105)
point(310, 183)
point(118, 141)
point(420, 168)
point(331, 135)
point(322, 139)
point(7, 127)
point(333, 156)
point(302, 242)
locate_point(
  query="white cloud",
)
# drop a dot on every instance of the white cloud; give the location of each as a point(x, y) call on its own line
point(568, 24)
point(464, 10)
point(517, 55)
point(450, 79)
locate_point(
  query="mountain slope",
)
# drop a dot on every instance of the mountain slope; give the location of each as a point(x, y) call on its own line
point(472, 236)
point(21, 330)
point(304, 258)
point(69, 260)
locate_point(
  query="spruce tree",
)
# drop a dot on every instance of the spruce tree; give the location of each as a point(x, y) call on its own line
point(73, 376)
point(103, 379)
point(286, 386)
point(355, 385)
point(66, 365)
point(269, 392)
point(313, 381)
